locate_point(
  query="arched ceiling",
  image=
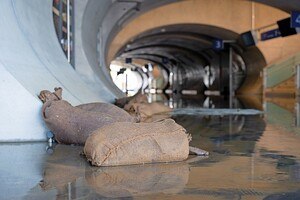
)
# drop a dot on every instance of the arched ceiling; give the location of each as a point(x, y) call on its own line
point(214, 14)
point(285, 5)
point(157, 28)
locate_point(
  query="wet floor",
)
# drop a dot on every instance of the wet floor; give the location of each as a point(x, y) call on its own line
point(251, 157)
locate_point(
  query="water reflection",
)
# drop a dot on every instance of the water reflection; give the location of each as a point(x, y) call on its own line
point(227, 134)
point(137, 180)
point(201, 101)
point(71, 176)
point(241, 165)
point(64, 166)
point(251, 157)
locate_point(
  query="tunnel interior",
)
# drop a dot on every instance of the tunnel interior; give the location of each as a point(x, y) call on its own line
point(251, 156)
point(181, 58)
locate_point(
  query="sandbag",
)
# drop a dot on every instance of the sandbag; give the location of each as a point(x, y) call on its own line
point(72, 125)
point(138, 107)
point(147, 110)
point(107, 108)
point(156, 117)
point(126, 143)
point(137, 98)
point(46, 95)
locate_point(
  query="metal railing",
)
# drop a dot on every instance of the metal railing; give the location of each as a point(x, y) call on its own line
point(63, 16)
point(282, 71)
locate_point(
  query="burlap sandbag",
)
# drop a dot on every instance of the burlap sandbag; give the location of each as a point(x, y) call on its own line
point(137, 98)
point(46, 95)
point(125, 143)
point(109, 109)
point(138, 107)
point(143, 111)
point(72, 125)
point(106, 108)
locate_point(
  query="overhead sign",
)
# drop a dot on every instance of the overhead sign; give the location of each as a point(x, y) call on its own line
point(295, 19)
point(249, 38)
point(270, 34)
point(285, 28)
point(128, 60)
point(218, 44)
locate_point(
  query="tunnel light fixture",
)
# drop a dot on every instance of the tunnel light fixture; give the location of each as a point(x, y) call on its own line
point(212, 93)
point(189, 92)
point(152, 91)
point(168, 91)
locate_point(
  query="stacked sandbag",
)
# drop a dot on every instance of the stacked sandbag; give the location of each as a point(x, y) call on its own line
point(138, 97)
point(146, 111)
point(72, 125)
point(107, 108)
point(127, 143)
point(139, 107)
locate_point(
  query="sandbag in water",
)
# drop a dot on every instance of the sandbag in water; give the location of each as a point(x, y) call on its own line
point(126, 143)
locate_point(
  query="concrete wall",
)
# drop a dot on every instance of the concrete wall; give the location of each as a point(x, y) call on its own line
point(85, 41)
point(31, 60)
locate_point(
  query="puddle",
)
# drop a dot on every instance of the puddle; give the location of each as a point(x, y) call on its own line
point(250, 158)
point(215, 111)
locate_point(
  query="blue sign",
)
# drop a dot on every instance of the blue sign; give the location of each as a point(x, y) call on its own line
point(270, 34)
point(295, 19)
point(218, 44)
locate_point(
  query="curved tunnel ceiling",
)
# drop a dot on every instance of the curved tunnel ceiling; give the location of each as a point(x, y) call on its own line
point(189, 49)
point(193, 39)
point(104, 28)
point(284, 5)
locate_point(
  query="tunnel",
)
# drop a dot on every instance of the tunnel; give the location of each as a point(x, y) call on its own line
point(169, 42)
point(185, 52)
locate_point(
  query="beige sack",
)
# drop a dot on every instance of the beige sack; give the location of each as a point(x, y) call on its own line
point(146, 110)
point(72, 125)
point(137, 98)
point(125, 143)
point(106, 108)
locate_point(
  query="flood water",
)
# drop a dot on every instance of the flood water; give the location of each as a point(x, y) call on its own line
point(251, 157)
